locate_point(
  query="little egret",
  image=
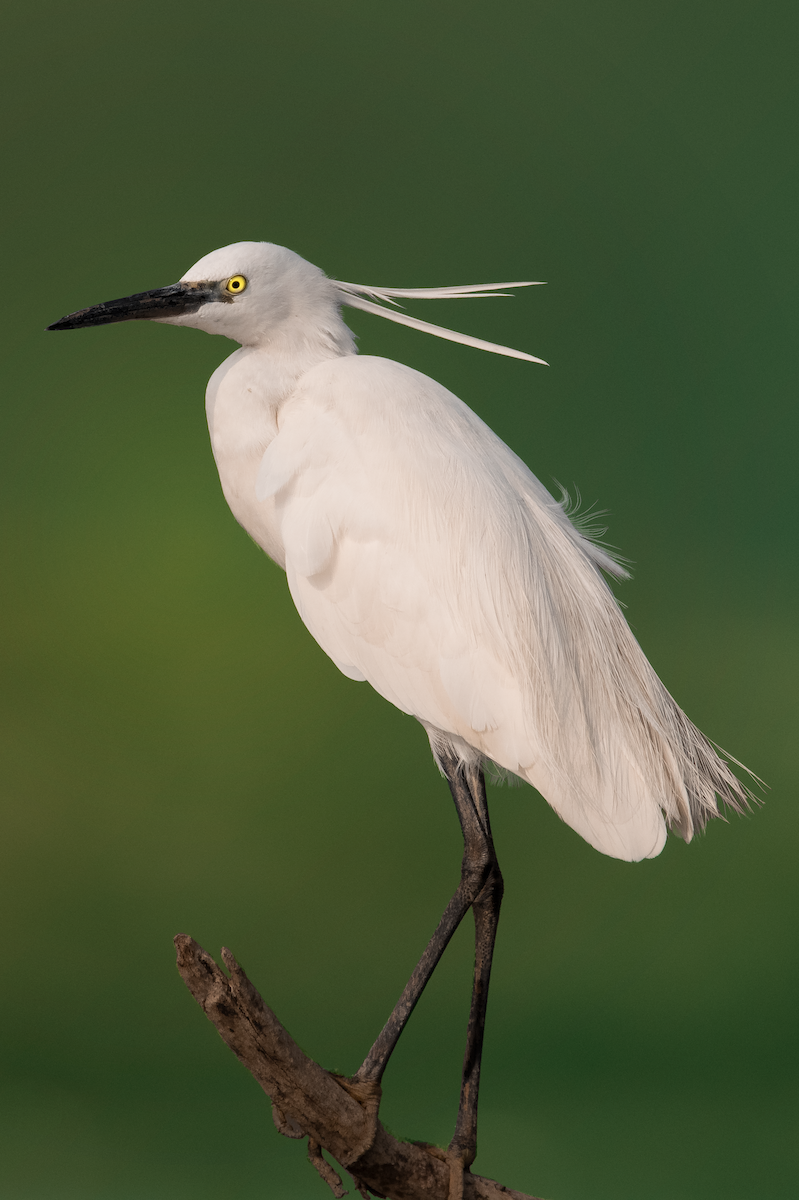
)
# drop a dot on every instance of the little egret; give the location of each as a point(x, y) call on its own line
point(424, 557)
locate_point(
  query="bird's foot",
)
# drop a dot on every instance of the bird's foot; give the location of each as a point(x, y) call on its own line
point(368, 1093)
point(458, 1165)
point(326, 1172)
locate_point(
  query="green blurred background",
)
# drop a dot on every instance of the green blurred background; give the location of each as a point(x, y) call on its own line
point(179, 755)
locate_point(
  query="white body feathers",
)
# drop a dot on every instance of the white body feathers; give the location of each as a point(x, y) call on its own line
point(424, 557)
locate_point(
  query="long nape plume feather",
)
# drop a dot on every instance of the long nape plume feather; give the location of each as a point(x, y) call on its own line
point(359, 295)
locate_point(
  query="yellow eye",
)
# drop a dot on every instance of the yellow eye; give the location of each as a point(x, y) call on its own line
point(235, 285)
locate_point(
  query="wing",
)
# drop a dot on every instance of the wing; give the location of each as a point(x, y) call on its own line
point(424, 557)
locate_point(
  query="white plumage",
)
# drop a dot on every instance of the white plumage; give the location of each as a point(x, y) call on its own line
point(424, 557)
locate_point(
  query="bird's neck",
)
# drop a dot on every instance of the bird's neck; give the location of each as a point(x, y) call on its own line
point(304, 337)
point(265, 371)
point(243, 403)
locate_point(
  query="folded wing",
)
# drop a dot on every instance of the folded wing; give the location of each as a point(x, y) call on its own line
point(425, 557)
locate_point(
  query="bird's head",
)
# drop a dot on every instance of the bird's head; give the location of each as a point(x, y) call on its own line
point(251, 292)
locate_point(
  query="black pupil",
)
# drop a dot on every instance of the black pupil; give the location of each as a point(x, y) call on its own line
point(235, 284)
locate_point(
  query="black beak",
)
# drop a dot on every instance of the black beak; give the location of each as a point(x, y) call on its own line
point(169, 301)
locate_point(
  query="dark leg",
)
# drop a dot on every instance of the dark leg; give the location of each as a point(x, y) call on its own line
point(481, 888)
point(486, 919)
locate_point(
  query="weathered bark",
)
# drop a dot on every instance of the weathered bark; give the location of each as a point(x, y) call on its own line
point(334, 1113)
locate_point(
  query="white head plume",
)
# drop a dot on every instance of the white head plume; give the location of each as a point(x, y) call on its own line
point(356, 295)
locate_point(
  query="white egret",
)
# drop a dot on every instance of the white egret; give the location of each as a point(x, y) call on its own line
point(424, 557)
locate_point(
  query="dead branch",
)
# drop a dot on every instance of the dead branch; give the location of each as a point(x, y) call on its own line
point(335, 1114)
